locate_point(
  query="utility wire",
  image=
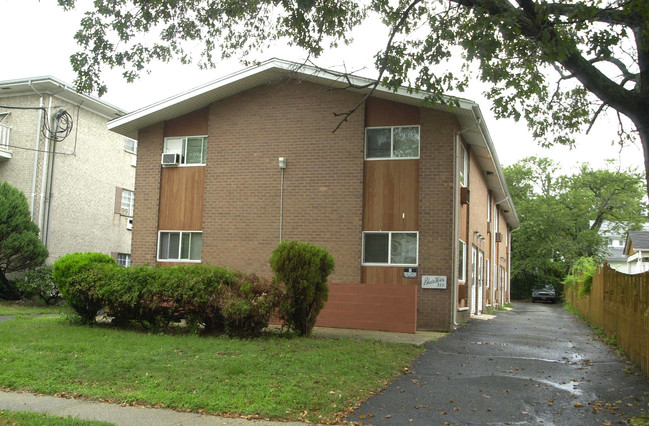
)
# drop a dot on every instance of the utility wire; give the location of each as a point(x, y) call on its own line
point(64, 119)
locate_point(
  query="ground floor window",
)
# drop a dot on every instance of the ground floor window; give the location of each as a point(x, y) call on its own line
point(390, 248)
point(183, 246)
point(124, 259)
point(461, 264)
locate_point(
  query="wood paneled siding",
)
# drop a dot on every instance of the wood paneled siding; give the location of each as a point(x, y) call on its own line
point(390, 189)
point(391, 195)
point(182, 194)
point(192, 124)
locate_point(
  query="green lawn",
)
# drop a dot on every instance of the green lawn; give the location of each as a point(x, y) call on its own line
point(271, 377)
point(23, 418)
point(28, 308)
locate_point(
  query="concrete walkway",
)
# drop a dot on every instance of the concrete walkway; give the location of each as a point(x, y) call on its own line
point(139, 416)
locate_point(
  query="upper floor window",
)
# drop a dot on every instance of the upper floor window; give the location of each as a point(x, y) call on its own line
point(127, 202)
point(488, 206)
point(392, 142)
point(191, 149)
point(464, 166)
point(130, 145)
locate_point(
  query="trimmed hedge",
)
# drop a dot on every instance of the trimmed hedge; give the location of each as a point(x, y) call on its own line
point(303, 268)
point(214, 297)
point(80, 295)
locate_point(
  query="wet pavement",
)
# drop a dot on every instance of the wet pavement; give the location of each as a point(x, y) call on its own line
point(536, 364)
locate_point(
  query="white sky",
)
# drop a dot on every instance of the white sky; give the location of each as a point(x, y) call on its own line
point(39, 41)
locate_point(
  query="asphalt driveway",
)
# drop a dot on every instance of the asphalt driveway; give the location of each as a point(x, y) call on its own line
point(536, 364)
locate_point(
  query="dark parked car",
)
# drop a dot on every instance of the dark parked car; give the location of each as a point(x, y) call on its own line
point(545, 293)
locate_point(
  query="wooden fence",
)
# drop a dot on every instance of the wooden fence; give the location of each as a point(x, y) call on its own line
point(619, 304)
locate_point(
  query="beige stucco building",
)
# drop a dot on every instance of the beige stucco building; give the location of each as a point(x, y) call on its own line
point(77, 175)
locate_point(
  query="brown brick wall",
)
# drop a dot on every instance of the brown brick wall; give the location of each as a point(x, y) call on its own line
point(436, 238)
point(323, 180)
point(147, 195)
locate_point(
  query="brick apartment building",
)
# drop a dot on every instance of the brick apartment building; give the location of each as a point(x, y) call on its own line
point(410, 200)
point(79, 188)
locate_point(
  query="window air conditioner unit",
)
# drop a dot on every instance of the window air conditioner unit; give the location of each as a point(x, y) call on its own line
point(465, 195)
point(129, 224)
point(499, 237)
point(170, 159)
point(124, 211)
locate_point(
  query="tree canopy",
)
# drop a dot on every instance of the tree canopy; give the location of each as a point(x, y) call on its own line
point(562, 216)
point(20, 247)
point(598, 50)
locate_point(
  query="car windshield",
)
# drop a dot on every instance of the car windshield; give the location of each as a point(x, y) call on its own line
point(544, 288)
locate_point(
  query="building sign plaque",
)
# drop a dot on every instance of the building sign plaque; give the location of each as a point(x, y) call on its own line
point(433, 281)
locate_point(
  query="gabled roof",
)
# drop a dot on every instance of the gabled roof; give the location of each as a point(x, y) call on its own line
point(639, 240)
point(467, 113)
point(53, 86)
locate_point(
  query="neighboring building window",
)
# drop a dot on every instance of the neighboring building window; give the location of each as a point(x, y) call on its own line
point(180, 246)
point(127, 202)
point(461, 264)
point(191, 149)
point(124, 259)
point(392, 142)
point(390, 248)
point(464, 166)
point(130, 145)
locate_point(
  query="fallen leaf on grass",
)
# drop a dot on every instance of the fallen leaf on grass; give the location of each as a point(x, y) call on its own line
point(578, 404)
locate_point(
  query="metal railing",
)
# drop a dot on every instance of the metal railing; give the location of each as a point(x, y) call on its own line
point(4, 136)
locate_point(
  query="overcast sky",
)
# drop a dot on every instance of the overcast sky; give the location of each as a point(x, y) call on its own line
point(39, 41)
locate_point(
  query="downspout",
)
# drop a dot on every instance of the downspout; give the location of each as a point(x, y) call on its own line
point(41, 210)
point(282, 166)
point(36, 149)
point(456, 216)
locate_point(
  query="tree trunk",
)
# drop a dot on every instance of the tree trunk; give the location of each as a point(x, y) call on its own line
point(7, 290)
point(643, 131)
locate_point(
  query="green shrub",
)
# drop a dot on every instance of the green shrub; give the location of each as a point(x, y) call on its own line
point(39, 283)
point(197, 289)
point(303, 268)
point(248, 305)
point(581, 272)
point(79, 291)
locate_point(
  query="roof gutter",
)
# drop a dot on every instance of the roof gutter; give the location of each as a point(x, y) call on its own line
point(477, 114)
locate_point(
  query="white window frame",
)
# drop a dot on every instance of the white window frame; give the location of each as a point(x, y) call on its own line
point(497, 219)
point(127, 149)
point(389, 248)
point(127, 209)
point(464, 159)
point(125, 259)
point(462, 268)
point(392, 157)
point(488, 206)
point(179, 246)
point(183, 153)
point(487, 272)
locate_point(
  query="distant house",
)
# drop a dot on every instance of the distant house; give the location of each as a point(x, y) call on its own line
point(78, 176)
point(614, 252)
point(410, 200)
point(637, 251)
